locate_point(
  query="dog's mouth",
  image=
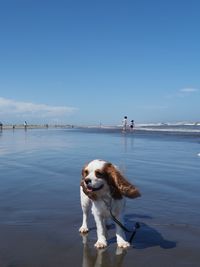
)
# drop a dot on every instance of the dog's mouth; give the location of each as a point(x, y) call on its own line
point(92, 189)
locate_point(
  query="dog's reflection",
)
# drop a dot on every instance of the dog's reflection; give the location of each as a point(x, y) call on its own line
point(101, 257)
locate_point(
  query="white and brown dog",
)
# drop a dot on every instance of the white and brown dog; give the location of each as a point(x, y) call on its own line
point(103, 186)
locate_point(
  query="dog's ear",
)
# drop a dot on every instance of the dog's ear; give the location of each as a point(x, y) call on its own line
point(84, 171)
point(119, 185)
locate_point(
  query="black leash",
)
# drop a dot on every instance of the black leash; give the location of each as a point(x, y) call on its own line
point(137, 225)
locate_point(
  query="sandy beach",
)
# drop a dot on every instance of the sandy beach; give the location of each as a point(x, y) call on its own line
point(40, 210)
point(32, 126)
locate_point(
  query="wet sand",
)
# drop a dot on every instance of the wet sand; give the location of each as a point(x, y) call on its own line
point(40, 212)
point(59, 244)
point(52, 246)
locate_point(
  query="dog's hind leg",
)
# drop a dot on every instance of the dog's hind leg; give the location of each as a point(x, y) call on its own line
point(85, 204)
point(121, 240)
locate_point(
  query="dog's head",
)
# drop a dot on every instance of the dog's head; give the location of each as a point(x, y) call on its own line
point(99, 177)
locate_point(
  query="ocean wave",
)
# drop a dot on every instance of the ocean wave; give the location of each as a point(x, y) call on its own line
point(176, 127)
point(175, 130)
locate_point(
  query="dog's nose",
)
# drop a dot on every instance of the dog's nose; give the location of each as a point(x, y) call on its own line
point(88, 180)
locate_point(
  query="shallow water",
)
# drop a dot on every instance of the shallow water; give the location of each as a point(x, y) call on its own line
point(39, 197)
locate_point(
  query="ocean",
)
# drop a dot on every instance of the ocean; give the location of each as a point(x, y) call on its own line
point(40, 214)
point(192, 128)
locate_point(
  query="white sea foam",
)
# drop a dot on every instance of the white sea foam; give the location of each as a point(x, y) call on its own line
point(180, 127)
point(180, 123)
point(169, 130)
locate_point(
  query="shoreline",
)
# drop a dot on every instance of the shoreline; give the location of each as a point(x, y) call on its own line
point(143, 128)
point(33, 126)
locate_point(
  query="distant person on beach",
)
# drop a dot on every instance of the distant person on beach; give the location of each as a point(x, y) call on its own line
point(1, 126)
point(124, 124)
point(25, 125)
point(132, 125)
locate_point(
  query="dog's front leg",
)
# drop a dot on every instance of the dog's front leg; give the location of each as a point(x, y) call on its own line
point(101, 238)
point(85, 204)
point(121, 239)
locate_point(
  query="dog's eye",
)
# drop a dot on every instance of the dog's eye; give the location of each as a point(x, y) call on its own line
point(99, 174)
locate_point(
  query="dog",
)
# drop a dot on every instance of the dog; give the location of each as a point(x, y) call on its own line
point(104, 187)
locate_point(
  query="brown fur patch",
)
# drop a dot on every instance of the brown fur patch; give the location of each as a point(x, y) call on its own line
point(84, 172)
point(118, 184)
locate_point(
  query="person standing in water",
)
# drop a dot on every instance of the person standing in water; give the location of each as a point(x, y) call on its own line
point(124, 124)
point(25, 125)
point(132, 125)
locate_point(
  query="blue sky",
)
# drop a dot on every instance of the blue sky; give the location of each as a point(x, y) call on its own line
point(86, 62)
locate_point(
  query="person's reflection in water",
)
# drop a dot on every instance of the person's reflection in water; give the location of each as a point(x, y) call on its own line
point(101, 257)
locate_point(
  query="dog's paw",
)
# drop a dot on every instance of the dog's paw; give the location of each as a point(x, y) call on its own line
point(123, 244)
point(83, 230)
point(100, 244)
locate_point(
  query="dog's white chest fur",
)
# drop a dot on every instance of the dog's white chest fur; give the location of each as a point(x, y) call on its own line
point(100, 208)
point(103, 207)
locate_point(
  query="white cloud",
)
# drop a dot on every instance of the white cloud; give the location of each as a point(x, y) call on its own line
point(16, 109)
point(189, 90)
point(184, 92)
point(154, 107)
